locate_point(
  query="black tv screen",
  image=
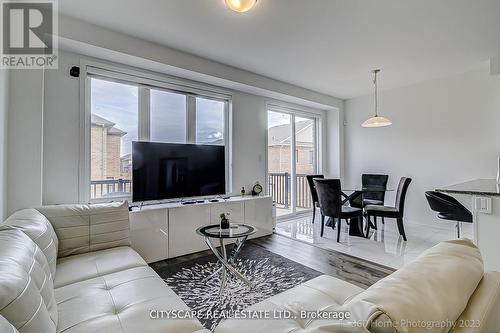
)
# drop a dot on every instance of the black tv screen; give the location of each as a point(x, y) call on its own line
point(171, 170)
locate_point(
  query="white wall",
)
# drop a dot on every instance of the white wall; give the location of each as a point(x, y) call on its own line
point(445, 131)
point(24, 155)
point(61, 128)
point(61, 135)
point(4, 105)
point(334, 144)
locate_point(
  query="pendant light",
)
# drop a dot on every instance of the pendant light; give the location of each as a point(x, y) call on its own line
point(240, 6)
point(376, 121)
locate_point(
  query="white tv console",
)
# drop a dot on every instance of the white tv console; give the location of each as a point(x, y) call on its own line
point(167, 230)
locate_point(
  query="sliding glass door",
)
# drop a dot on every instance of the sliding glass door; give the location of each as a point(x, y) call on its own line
point(292, 154)
point(305, 160)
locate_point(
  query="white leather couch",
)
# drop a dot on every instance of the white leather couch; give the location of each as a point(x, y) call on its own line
point(70, 269)
point(445, 286)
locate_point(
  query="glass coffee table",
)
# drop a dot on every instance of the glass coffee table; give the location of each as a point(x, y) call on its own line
point(238, 231)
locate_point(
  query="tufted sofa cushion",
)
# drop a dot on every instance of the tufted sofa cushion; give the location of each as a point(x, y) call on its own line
point(39, 229)
point(86, 228)
point(120, 302)
point(321, 293)
point(93, 264)
point(26, 289)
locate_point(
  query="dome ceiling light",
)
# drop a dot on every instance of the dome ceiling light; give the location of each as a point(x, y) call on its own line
point(240, 6)
point(376, 121)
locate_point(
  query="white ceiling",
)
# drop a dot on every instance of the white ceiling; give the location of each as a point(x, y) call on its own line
point(329, 46)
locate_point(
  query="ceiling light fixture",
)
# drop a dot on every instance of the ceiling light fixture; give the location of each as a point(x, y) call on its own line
point(240, 6)
point(376, 121)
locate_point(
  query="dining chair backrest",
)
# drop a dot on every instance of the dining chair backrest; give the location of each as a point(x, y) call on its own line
point(329, 195)
point(374, 186)
point(312, 188)
point(404, 183)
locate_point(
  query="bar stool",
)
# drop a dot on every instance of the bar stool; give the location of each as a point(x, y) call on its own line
point(448, 208)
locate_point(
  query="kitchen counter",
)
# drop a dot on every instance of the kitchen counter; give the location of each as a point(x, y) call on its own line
point(483, 187)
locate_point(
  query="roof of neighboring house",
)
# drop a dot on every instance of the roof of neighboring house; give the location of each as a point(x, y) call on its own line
point(280, 134)
point(100, 121)
point(116, 131)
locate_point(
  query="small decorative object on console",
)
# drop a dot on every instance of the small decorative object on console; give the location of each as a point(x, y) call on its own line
point(257, 189)
point(243, 191)
point(224, 222)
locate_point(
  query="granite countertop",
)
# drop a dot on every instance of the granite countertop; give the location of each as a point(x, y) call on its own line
point(474, 187)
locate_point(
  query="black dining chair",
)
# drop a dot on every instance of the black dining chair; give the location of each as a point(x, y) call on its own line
point(396, 212)
point(330, 203)
point(314, 194)
point(448, 208)
point(373, 191)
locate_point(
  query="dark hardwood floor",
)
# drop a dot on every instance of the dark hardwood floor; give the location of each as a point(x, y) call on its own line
point(351, 269)
point(357, 271)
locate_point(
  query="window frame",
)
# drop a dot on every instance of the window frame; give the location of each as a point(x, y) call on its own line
point(303, 112)
point(145, 81)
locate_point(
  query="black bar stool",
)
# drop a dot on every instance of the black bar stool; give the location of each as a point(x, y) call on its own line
point(448, 208)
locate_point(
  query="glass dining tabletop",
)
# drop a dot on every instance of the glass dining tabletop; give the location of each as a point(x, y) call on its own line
point(359, 188)
point(354, 191)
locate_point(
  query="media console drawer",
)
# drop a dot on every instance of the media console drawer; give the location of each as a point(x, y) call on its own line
point(149, 234)
point(183, 222)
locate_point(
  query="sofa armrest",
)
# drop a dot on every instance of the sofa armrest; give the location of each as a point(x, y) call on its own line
point(88, 228)
point(482, 312)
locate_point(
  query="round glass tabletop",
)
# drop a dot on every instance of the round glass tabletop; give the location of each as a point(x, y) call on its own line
point(234, 231)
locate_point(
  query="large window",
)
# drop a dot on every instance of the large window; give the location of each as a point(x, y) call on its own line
point(123, 111)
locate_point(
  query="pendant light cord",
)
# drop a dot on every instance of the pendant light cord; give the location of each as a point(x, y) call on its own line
point(375, 72)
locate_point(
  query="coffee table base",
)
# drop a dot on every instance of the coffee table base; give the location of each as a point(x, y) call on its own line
point(227, 262)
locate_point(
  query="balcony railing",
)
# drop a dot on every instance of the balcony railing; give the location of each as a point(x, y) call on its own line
point(280, 189)
point(109, 187)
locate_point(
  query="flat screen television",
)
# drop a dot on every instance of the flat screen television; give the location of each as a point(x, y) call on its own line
point(170, 170)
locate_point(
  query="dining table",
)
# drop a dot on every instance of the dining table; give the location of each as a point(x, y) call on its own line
point(351, 192)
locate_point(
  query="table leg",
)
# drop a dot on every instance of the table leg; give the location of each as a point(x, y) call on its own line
point(232, 257)
point(237, 249)
point(352, 196)
point(223, 276)
point(226, 264)
point(213, 274)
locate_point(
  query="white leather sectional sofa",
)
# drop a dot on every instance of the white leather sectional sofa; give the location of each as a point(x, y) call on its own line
point(444, 290)
point(70, 269)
